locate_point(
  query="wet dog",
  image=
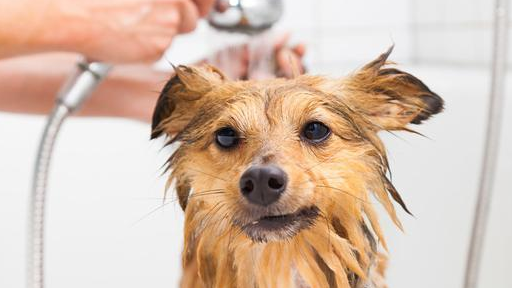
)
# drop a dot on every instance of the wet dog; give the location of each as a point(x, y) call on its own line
point(276, 176)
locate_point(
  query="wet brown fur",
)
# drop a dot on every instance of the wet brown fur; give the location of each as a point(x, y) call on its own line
point(341, 176)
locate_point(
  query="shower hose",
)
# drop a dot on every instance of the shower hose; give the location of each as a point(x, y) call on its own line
point(77, 88)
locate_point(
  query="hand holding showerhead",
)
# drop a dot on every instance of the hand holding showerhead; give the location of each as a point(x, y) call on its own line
point(265, 56)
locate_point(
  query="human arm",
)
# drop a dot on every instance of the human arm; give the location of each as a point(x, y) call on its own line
point(112, 31)
point(29, 84)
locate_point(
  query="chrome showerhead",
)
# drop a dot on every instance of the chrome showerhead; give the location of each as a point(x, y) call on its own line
point(245, 16)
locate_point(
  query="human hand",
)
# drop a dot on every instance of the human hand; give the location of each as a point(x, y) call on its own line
point(260, 61)
point(112, 31)
point(289, 59)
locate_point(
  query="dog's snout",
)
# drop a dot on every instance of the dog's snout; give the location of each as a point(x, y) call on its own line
point(263, 184)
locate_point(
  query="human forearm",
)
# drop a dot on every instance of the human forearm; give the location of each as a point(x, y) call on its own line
point(29, 85)
point(115, 31)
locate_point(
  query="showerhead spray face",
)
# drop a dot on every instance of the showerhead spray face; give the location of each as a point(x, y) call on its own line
point(250, 22)
point(245, 16)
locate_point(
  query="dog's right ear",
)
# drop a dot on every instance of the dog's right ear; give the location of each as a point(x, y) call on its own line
point(178, 101)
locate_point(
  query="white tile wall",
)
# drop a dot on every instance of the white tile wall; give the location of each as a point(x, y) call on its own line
point(453, 32)
point(340, 13)
point(453, 44)
point(348, 33)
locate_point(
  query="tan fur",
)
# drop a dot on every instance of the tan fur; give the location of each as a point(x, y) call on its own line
point(342, 177)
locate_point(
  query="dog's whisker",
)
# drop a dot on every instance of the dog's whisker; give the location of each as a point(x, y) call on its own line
point(209, 215)
point(214, 189)
point(309, 181)
point(165, 198)
point(169, 202)
point(221, 221)
point(323, 161)
point(345, 192)
point(217, 210)
point(328, 223)
point(207, 174)
point(197, 195)
point(147, 198)
point(231, 220)
point(205, 218)
point(207, 192)
point(150, 213)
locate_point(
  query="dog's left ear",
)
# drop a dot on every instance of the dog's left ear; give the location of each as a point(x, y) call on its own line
point(388, 97)
point(178, 101)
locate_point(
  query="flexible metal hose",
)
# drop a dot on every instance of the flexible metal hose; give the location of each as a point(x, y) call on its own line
point(485, 191)
point(35, 267)
point(78, 87)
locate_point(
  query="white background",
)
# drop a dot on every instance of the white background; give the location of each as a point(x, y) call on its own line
point(105, 175)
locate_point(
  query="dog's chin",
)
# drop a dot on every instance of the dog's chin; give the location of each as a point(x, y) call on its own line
point(280, 227)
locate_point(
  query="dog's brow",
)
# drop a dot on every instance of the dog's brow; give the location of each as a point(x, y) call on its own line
point(196, 128)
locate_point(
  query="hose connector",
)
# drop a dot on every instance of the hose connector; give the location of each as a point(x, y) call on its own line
point(82, 83)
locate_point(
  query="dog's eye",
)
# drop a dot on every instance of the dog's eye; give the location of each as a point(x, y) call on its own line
point(226, 137)
point(315, 132)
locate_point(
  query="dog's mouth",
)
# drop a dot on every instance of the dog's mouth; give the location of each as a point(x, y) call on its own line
point(279, 227)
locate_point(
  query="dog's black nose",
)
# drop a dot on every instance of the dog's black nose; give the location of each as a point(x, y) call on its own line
point(263, 184)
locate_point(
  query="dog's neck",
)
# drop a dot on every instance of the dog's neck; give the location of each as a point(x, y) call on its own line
point(315, 257)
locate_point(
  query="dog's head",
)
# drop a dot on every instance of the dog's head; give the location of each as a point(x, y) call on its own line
point(275, 158)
